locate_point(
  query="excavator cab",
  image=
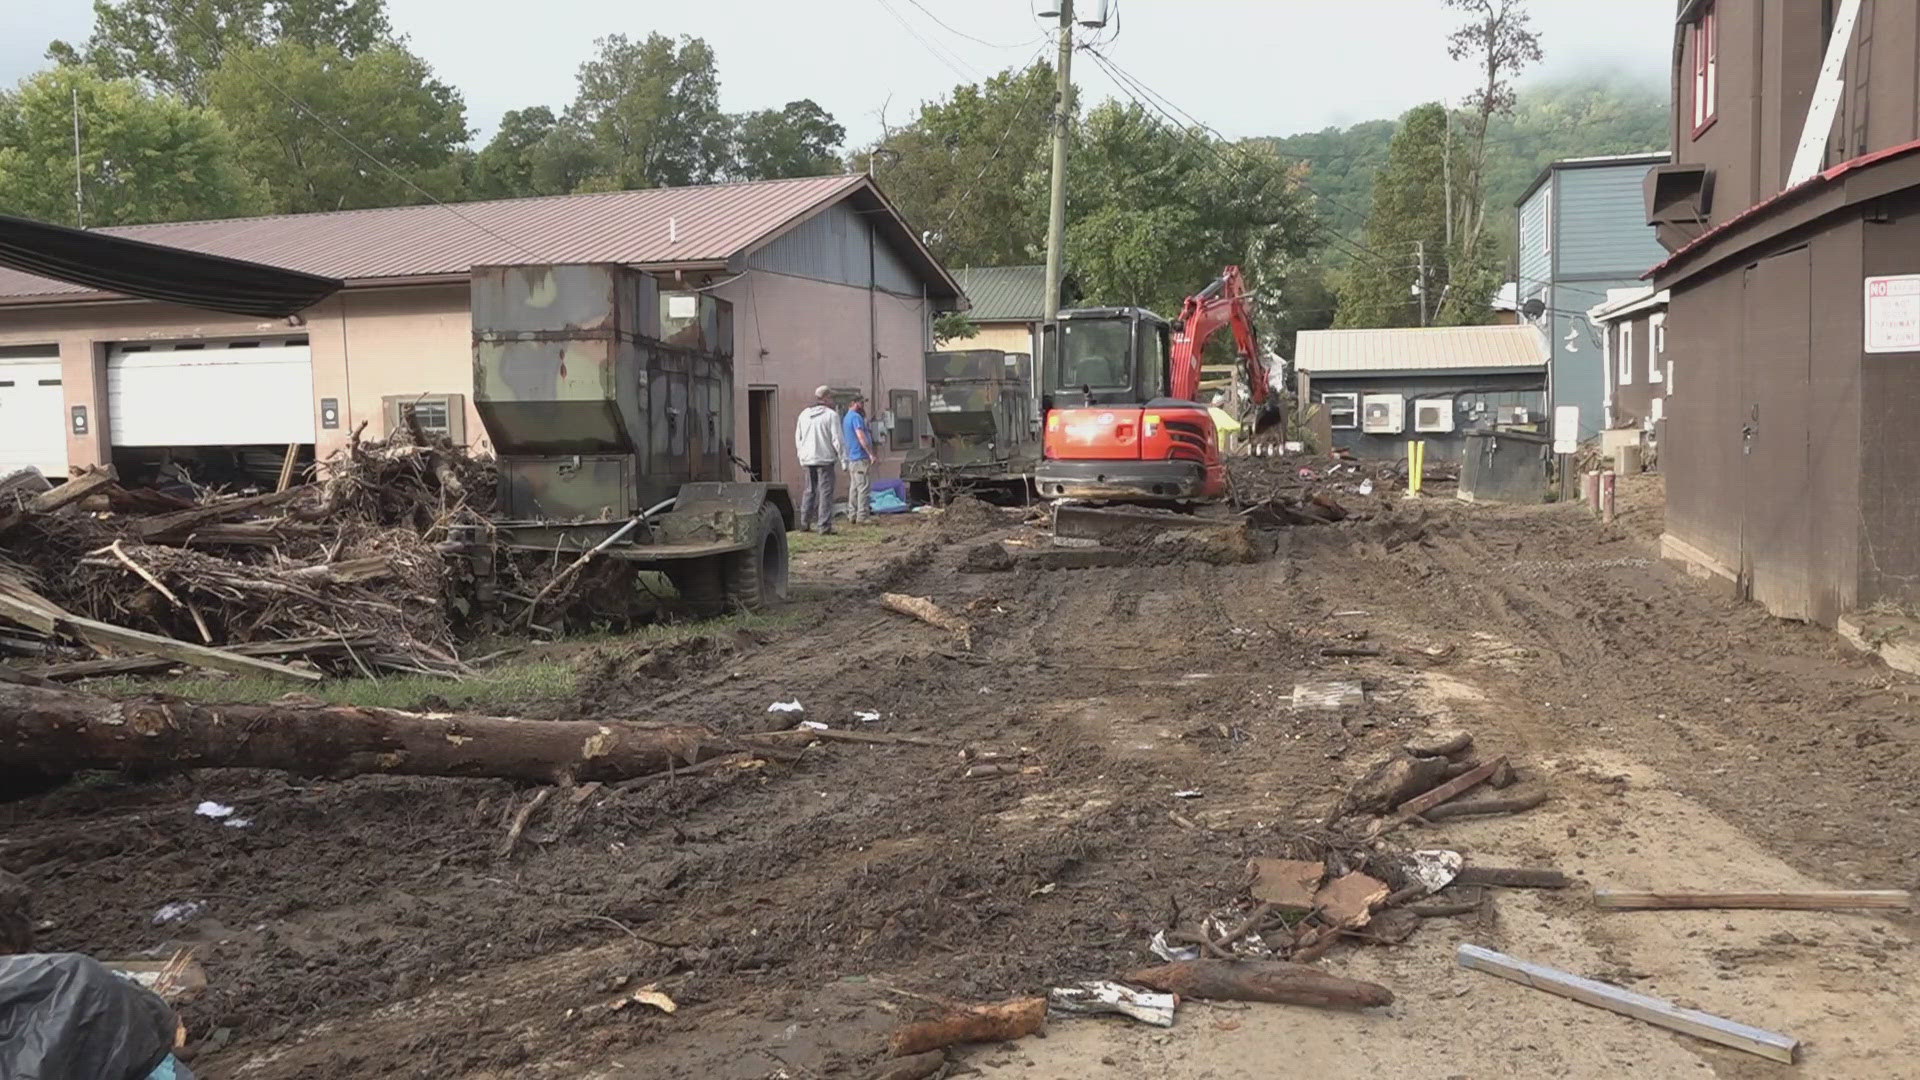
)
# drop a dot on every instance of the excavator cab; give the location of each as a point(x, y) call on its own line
point(1112, 432)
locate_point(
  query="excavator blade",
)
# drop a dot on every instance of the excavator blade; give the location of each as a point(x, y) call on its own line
point(1124, 524)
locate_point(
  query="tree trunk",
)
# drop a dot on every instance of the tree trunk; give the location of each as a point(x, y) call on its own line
point(59, 730)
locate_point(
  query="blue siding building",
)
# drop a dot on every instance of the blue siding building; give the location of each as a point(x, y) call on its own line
point(1583, 230)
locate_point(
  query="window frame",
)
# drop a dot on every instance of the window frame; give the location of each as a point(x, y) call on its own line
point(1706, 70)
point(1656, 346)
point(1623, 370)
point(397, 406)
point(1353, 409)
point(1546, 219)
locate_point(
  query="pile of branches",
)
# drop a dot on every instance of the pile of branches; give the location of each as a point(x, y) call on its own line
point(349, 573)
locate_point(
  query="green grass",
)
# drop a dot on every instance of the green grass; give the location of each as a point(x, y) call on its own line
point(546, 672)
point(844, 535)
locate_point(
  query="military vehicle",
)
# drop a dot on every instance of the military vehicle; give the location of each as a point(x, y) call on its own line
point(984, 420)
point(608, 397)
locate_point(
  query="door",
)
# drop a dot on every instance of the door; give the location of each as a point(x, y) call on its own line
point(33, 426)
point(762, 458)
point(211, 393)
point(1776, 529)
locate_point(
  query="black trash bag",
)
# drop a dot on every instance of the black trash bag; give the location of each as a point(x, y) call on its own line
point(63, 1016)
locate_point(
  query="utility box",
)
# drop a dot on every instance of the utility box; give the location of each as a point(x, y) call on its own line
point(1504, 467)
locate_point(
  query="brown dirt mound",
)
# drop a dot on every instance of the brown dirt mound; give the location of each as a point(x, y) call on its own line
point(967, 517)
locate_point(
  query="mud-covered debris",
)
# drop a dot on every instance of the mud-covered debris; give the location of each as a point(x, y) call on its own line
point(1288, 884)
point(989, 558)
point(1440, 743)
point(1348, 900)
point(1000, 1022)
point(1392, 782)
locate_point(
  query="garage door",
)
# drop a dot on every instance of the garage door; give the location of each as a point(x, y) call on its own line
point(215, 393)
point(33, 426)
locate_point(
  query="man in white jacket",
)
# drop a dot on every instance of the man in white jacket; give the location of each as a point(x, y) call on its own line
point(817, 439)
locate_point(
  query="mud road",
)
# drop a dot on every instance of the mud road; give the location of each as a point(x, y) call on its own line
point(797, 910)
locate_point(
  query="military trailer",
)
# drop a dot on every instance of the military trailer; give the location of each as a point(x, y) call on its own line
point(608, 397)
point(984, 420)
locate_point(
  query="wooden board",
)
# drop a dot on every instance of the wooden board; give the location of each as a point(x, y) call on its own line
point(1626, 899)
point(1767, 1044)
point(1422, 803)
point(107, 635)
point(1288, 884)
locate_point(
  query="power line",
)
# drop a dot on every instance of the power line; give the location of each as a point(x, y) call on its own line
point(950, 61)
point(330, 129)
point(956, 30)
point(1019, 114)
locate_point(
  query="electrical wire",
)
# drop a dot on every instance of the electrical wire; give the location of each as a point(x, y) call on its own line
point(953, 61)
point(214, 39)
point(1018, 115)
point(956, 30)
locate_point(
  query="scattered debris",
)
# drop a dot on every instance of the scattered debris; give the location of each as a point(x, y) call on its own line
point(1465, 781)
point(178, 911)
point(1328, 695)
point(1512, 804)
point(866, 716)
point(1000, 1022)
point(1433, 870)
point(1440, 744)
point(787, 706)
point(814, 725)
point(1287, 884)
point(918, 1066)
point(1003, 768)
point(213, 810)
point(1111, 997)
point(1391, 783)
point(1190, 793)
point(1513, 877)
point(1261, 980)
point(1160, 948)
point(1822, 900)
point(1653, 1010)
point(1347, 901)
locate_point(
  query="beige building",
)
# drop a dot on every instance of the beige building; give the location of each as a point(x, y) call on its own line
point(827, 285)
point(1007, 303)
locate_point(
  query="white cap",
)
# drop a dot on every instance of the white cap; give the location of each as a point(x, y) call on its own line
point(822, 391)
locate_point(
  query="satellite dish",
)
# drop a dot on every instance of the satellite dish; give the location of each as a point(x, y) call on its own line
point(1534, 308)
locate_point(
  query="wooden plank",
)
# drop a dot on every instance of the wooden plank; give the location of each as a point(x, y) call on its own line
point(1821, 900)
point(207, 513)
point(61, 496)
point(1463, 782)
point(1512, 877)
point(1767, 1044)
point(107, 635)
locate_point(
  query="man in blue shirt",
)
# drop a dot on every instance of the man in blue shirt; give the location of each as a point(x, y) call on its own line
point(858, 442)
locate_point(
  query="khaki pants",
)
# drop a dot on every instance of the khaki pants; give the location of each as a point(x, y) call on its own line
point(860, 490)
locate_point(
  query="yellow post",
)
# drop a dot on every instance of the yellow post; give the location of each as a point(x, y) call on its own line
point(1416, 464)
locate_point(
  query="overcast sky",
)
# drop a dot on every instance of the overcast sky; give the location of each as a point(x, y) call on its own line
point(1246, 67)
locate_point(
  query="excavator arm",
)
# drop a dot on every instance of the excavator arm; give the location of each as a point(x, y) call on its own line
point(1224, 303)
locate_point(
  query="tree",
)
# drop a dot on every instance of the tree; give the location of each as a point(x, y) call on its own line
point(1409, 209)
point(385, 102)
point(505, 167)
point(1154, 213)
point(964, 170)
point(1499, 40)
point(143, 156)
point(651, 110)
point(800, 139)
point(175, 45)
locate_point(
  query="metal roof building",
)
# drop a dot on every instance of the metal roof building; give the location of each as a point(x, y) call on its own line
point(1414, 349)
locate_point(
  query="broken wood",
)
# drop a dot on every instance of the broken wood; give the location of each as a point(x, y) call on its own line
point(106, 636)
point(573, 567)
point(1465, 781)
point(917, 1067)
point(1288, 884)
point(145, 575)
point(23, 678)
point(60, 730)
point(1465, 904)
point(836, 735)
point(1512, 804)
point(1819, 900)
point(520, 822)
point(1261, 980)
point(1440, 744)
point(1223, 945)
point(149, 665)
point(1091, 998)
point(1351, 650)
point(987, 771)
point(1653, 1010)
point(1512, 877)
point(924, 609)
point(1000, 1022)
point(47, 502)
point(1348, 900)
point(286, 467)
point(185, 521)
point(1390, 783)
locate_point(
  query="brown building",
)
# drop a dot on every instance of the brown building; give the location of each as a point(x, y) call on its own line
point(826, 284)
point(1633, 352)
point(1792, 211)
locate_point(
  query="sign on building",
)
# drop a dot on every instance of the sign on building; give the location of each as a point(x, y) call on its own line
point(1893, 313)
point(1566, 429)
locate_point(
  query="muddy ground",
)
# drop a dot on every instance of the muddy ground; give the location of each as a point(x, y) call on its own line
point(795, 910)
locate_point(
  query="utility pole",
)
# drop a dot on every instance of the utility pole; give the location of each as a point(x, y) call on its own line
point(1057, 210)
point(79, 200)
point(1446, 173)
point(1420, 283)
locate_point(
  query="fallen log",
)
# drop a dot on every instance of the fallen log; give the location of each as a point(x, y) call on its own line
point(1000, 1022)
point(1419, 804)
point(1261, 980)
point(1820, 900)
point(59, 730)
point(1512, 804)
point(924, 609)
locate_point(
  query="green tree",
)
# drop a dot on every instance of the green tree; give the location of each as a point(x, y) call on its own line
point(175, 45)
point(143, 156)
point(651, 110)
point(963, 170)
point(1409, 210)
point(1498, 39)
point(385, 102)
point(800, 139)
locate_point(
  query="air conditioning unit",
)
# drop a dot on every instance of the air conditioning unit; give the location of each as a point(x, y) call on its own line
point(1383, 414)
point(1433, 414)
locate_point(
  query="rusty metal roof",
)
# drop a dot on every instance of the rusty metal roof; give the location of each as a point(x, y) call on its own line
point(652, 227)
point(1421, 348)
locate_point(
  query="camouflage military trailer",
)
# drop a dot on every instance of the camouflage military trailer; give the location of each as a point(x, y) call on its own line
point(984, 422)
point(609, 401)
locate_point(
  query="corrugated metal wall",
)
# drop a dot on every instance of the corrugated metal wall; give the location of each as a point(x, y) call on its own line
point(832, 246)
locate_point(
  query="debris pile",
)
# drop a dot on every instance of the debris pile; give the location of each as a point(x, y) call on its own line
point(348, 574)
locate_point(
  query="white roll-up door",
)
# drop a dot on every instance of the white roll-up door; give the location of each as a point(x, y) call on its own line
point(33, 426)
point(215, 393)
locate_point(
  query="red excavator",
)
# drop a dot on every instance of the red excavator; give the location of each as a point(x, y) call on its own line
point(1118, 387)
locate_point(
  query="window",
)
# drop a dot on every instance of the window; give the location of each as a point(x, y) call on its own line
point(1656, 345)
point(1343, 410)
point(1625, 367)
point(443, 415)
point(1546, 219)
point(1706, 70)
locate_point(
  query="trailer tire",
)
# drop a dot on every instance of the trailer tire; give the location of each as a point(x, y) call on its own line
point(756, 579)
point(700, 585)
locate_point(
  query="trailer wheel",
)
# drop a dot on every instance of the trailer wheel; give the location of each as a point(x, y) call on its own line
point(756, 579)
point(699, 583)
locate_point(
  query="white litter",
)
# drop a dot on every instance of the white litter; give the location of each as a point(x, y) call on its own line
point(1190, 793)
point(238, 823)
point(787, 706)
point(213, 810)
point(866, 716)
point(1170, 953)
point(813, 725)
point(177, 911)
point(1366, 487)
point(1110, 997)
point(1434, 870)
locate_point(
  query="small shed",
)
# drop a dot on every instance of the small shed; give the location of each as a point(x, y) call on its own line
point(1633, 343)
point(1382, 388)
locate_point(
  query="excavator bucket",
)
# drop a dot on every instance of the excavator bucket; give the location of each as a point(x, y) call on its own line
point(1267, 418)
